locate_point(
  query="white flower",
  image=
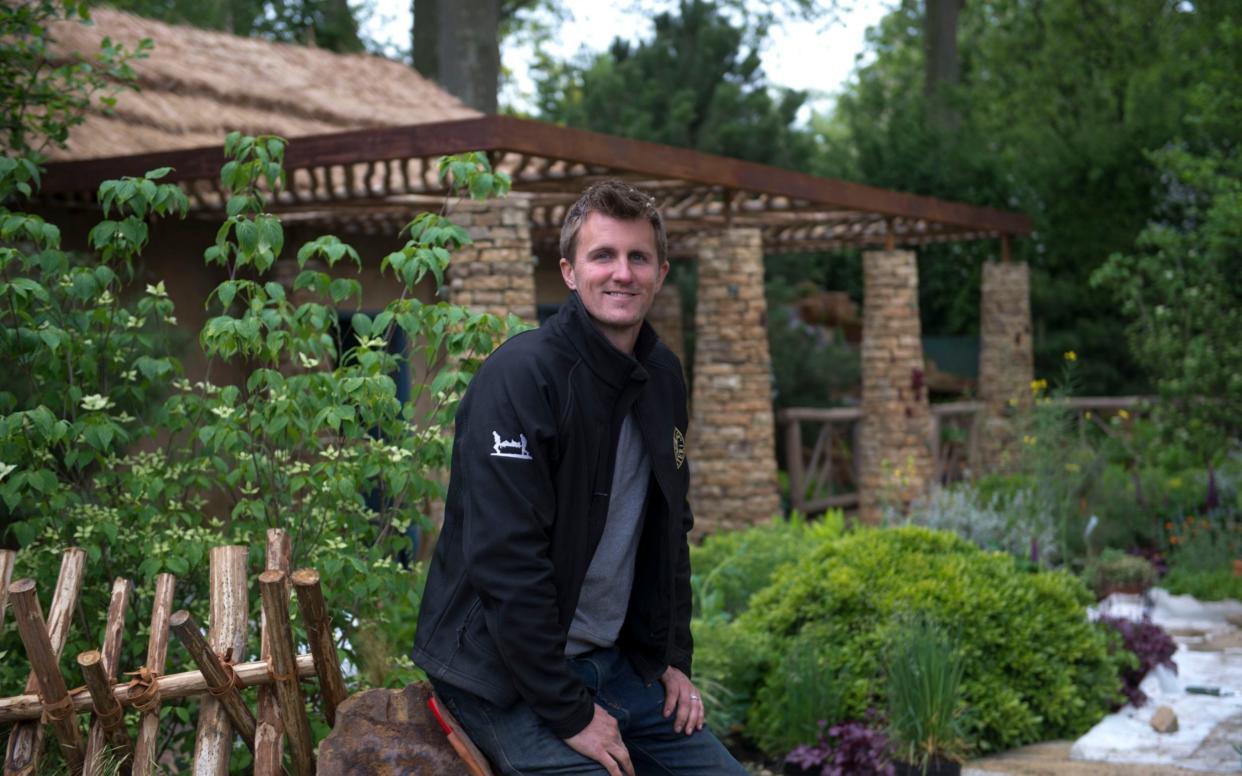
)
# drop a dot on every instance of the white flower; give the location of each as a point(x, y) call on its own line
point(105, 298)
point(6, 469)
point(124, 417)
point(95, 402)
point(367, 343)
point(157, 289)
point(171, 320)
point(135, 322)
point(129, 374)
point(181, 384)
point(307, 362)
point(331, 453)
point(223, 413)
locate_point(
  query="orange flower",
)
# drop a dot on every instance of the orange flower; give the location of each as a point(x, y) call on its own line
point(1168, 525)
point(1174, 540)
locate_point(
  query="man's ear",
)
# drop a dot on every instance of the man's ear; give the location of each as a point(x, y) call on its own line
point(567, 274)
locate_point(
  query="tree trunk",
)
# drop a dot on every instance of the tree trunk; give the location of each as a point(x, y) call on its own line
point(425, 38)
point(469, 51)
point(942, 69)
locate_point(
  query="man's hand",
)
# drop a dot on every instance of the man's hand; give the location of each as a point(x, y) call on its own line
point(601, 741)
point(681, 696)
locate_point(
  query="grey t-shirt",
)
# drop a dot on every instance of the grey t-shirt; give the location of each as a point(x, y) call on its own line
point(606, 590)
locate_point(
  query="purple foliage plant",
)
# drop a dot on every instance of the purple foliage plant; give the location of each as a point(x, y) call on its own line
point(845, 749)
point(1150, 644)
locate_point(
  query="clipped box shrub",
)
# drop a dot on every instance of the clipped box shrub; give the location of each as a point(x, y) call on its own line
point(1034, 667)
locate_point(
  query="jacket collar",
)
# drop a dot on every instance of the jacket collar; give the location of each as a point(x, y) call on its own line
point(603, 358)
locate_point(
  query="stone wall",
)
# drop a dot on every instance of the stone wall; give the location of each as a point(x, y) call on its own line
point(894, 455)
point(732, 444)
point(665, 318)
point(1006, 362)
point(497, 273)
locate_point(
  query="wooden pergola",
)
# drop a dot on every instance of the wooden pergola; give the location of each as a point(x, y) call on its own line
point(724, 213)
point(370, 180)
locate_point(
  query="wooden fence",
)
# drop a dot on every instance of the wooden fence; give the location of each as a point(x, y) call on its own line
point(220, 681)
point(825, 475)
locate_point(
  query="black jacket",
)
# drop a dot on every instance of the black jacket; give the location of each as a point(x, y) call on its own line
point(536, 434)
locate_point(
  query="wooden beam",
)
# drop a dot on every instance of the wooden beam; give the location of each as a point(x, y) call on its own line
point(323, 646)
point(26, 740)
point(43, 659)
point(109, 716)
point(556, 144)
point(269, 736)
point(145, 750)
point(213, 742)
point(7, 560)
point(292, 705)
point(220, 683)
point(172, 687)
point(110, 656)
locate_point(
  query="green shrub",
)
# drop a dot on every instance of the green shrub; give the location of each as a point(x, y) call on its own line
point(1034, 667)
point(924, 695)
point(731, 566)
point(728, 568)
point(1204, 584)
point(1115, 568)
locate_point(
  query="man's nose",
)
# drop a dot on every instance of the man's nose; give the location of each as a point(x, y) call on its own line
point(624, 272)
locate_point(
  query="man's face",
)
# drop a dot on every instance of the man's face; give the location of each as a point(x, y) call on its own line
point(616, 273)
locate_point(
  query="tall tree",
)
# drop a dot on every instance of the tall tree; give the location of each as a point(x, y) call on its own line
point(469, 51)
point(1059, 103)
point(942, 68)
point(328, 24)
point(696, 83)
point(425, 37)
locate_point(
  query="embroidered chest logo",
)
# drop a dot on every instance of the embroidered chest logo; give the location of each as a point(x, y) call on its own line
point(510, 448)
point(679, 447)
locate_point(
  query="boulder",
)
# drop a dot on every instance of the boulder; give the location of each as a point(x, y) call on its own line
point(388, 733)
point(1164, 720)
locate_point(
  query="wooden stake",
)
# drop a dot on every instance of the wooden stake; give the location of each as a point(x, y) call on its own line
point(219, 679)
point(108, 712)
point(323, 646)
point(172, 687)
point(26, 740)
point(292, 706)
point(7, 559)
point(30, 624)
point(114, 631)
point(227, 636)
point(269, 737)
point(157, 653)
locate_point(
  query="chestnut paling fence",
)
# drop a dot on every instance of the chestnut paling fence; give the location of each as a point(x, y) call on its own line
point(825, 474)
point(220, 681)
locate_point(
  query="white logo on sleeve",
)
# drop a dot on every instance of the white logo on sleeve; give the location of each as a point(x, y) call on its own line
point(516, 448)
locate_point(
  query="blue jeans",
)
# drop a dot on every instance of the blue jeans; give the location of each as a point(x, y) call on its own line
point(517, 742)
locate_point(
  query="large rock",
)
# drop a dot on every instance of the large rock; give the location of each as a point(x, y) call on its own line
point(1164, 720)
point(388, 733)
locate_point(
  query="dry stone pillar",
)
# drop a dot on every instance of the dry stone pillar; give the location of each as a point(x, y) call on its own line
point(497, 273)
point(894, 455)
point(1006, 361)
point(665, 318)
point(732, 445)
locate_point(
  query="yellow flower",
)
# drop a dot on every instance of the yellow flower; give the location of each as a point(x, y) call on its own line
point(1123, 414)
point(1039, 385)
point(1028, 439)
point(1087, 415)
point(1071, 355)
point(1072, 467)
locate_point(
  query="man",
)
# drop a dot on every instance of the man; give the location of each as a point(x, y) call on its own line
point(556, 619)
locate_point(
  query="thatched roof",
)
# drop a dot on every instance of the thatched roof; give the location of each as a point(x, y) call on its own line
point(198, 85)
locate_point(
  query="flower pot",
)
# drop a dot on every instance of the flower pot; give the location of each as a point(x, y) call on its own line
point(937, 767)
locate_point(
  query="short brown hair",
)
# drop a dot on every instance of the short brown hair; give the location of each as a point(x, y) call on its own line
point(614, 199)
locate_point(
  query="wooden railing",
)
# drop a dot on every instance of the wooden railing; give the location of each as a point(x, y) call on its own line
point(221, 676)
point(826, 475)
